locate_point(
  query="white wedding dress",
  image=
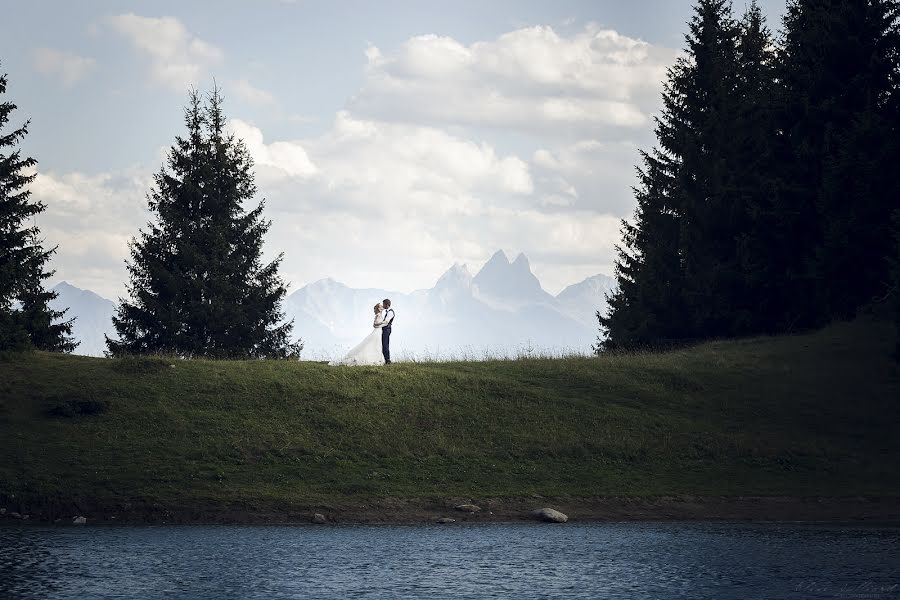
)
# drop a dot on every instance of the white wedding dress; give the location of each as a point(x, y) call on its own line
point(368, 351)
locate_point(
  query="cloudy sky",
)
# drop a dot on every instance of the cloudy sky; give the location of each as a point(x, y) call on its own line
point(391, 139)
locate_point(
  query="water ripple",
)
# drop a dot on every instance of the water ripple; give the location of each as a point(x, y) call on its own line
point(619, 560)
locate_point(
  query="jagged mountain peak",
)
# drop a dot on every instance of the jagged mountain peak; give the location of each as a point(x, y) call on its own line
point(457, 274)
point(497, 263)
point(66, 288)
point(597, 285)
point(522, 262)
point(328, 283)
point(513, 283)
point(93, 316)
point(459, 269)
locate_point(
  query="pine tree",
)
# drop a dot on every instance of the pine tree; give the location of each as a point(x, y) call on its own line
point(26, 319)
point(894, 283)
point(712, 214)
point(777, 168)
point(838, 71)
point(198, 286)
point(646, 308)
point(760, 240)
point(678, 270)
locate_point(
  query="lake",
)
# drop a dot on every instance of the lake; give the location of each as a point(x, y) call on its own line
point(600, 560)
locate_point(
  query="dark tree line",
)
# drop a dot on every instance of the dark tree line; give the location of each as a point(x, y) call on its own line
point(767, 204)
point(26, 319)
point(198, 284)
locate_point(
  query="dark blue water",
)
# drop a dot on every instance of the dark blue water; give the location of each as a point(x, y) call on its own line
point(621, 560)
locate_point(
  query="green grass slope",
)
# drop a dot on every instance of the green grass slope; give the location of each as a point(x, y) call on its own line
point(805, 415)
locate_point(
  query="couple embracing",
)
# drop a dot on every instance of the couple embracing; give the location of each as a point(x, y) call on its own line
point(377, 345)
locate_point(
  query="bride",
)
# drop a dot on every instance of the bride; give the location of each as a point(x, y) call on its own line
point(368, 351)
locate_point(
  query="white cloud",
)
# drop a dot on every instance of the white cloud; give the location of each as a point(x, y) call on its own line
point(177, 58)
point(393, 205)
point(302, 119)
point(245, 91)
point(372, 157)
point(411, 157)
point(592, 174)
point(528, 79)
point(92, 218)
point(370, 203)
point(273, 161)
point(411, 176)
point(68, 67)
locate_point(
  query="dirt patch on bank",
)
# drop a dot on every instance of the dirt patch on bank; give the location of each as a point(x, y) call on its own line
point(497, 510)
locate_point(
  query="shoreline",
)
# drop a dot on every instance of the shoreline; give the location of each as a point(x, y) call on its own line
point(394, 511)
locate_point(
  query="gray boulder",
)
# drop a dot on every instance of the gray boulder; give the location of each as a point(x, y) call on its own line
point(15, 515)
point(549, 515)
point(319, 519)
point(79, 520)
point(470, 508)
point(446, 520)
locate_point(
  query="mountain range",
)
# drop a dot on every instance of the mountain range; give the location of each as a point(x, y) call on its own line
point(93, 317)
point(500, 311)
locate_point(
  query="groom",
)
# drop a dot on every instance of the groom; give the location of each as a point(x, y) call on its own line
point(386, 330)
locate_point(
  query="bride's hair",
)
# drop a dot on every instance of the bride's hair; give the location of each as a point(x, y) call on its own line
point(377, 306)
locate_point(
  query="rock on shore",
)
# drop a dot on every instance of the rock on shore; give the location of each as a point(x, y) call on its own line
point(549, 515)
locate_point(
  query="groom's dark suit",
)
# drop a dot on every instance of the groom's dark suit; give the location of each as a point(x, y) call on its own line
point(386, 335)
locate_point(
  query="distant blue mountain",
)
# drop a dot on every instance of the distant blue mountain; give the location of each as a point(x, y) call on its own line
point(94, 317)
point(502, 310)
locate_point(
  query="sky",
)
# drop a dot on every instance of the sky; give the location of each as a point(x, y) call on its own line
point(390, 139)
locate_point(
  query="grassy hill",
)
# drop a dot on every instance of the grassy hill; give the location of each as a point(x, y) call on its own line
point(805, 415)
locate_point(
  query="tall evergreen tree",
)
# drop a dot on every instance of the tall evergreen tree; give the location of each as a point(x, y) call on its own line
point(678, 270)
point(712, 214)
point(759, 239)
point(894, 283)
point(838, 72)
point(26, 319)
point(646, 308)
point(198, 284)
point(777, 168)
